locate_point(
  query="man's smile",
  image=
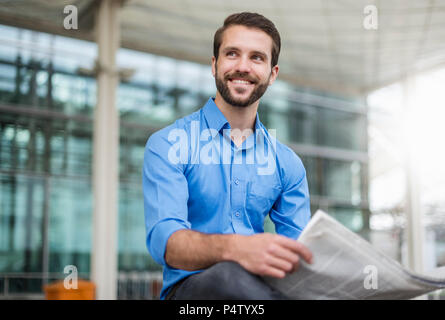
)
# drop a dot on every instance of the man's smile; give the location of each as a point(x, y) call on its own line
point(241, 83)
point(238, 81)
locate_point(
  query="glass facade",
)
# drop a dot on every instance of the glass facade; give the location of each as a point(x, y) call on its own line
point(47, 100)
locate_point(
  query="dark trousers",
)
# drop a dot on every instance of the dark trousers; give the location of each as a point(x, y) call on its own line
point(224, 281)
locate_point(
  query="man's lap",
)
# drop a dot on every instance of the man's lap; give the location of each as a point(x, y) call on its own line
point(225, 281)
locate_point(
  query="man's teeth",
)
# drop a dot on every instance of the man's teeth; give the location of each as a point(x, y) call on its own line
point(241, 81)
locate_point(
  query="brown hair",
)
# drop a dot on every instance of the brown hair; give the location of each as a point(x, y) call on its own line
point(250, 20)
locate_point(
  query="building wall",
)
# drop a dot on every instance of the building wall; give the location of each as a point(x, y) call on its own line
point(47, 100)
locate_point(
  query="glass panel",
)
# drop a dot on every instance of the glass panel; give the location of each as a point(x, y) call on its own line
point(302, 124)
point(342, 129)
point(73, 94)
point(33, 82)
point(278, 121)
point(269, 226)
point(312, 175)
point(42, 145)
point(350, 217)
point(132, 249)
point(439, 244)
point(342, 180)
point(21, 216)
point(276, 116)
point(70, 223)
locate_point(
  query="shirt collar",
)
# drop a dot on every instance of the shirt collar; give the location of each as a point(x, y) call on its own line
point(216, 119)
point(258, 124)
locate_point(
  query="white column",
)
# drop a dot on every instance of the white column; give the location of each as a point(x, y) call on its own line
point(106, 154)
point(414, 227)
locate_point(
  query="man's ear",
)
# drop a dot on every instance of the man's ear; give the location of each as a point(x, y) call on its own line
point(274, 74)
point(213, 66)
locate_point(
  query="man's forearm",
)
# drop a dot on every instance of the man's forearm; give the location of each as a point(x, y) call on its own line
point(263, 253)
point(192, 250)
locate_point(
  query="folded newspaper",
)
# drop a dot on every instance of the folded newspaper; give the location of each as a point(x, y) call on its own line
point(345, 266)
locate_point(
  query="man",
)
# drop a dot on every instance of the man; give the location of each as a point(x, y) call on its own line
point(205, 208)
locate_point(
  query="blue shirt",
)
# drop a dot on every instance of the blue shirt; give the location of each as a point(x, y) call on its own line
point(195, 177)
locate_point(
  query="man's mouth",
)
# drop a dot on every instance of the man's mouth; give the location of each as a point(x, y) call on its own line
point(240, 81)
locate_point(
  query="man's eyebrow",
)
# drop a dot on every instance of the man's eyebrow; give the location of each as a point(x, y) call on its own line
point(230, 49)
point(261, 53)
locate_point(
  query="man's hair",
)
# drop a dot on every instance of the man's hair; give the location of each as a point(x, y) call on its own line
point(250, 20)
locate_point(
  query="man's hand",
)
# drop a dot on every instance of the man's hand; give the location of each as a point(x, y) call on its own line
point(269, 254)
point(264, 254)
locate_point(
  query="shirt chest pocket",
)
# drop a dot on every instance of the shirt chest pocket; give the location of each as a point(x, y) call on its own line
point(260, 199)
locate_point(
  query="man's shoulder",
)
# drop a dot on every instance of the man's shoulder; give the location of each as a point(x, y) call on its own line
point(161, 137)
point(290, 165)
point(283, 151)
point(286, 153)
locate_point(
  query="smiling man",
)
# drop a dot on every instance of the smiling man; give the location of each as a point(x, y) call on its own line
point(205, 219)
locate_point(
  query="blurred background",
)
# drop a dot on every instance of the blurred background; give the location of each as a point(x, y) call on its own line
point(360, 98)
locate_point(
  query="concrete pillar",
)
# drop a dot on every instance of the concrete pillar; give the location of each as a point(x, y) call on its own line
point(106, 153)
point(414, 226)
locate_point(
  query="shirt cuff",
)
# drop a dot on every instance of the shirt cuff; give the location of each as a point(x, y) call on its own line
point(160, 235)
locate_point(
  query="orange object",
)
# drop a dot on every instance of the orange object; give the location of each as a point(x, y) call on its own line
point(56, 291)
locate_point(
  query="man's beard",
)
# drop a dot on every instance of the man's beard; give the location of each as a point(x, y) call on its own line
point(224, 90)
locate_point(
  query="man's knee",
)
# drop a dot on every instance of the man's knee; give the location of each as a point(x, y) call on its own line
point(226, 280)
point(226, 270)
point(222, 275)
point(220, 281)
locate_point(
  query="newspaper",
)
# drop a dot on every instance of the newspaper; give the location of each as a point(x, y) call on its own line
point(345, 266)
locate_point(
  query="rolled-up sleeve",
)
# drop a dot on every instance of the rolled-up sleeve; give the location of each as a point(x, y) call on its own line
point(291, 211)
point(165, 196)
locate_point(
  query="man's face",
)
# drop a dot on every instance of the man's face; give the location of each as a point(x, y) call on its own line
point(243, 70)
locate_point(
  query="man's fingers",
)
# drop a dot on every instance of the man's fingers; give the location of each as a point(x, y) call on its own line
point(289, 256)
point(286, 254)
point(304, 252)
point(295, 267)
point(276, 273)
point(280, 264)
point(297, 247)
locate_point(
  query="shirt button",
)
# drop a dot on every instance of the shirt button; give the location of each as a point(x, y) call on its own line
point(237, 182)
point(237, 214)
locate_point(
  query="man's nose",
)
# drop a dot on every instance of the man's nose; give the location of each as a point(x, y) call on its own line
point(243, 65)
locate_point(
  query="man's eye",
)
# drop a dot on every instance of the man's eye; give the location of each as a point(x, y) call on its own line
point(258, 58)
point(231, 53)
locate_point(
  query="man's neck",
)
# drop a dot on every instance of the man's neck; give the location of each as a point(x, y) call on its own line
point(241, 118)
point(238, 117)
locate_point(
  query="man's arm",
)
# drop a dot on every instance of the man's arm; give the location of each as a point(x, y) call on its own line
point(165, 192)
point(291, 212)
point(263, 254)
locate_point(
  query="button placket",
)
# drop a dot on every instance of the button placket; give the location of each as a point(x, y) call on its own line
point(238, 194)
